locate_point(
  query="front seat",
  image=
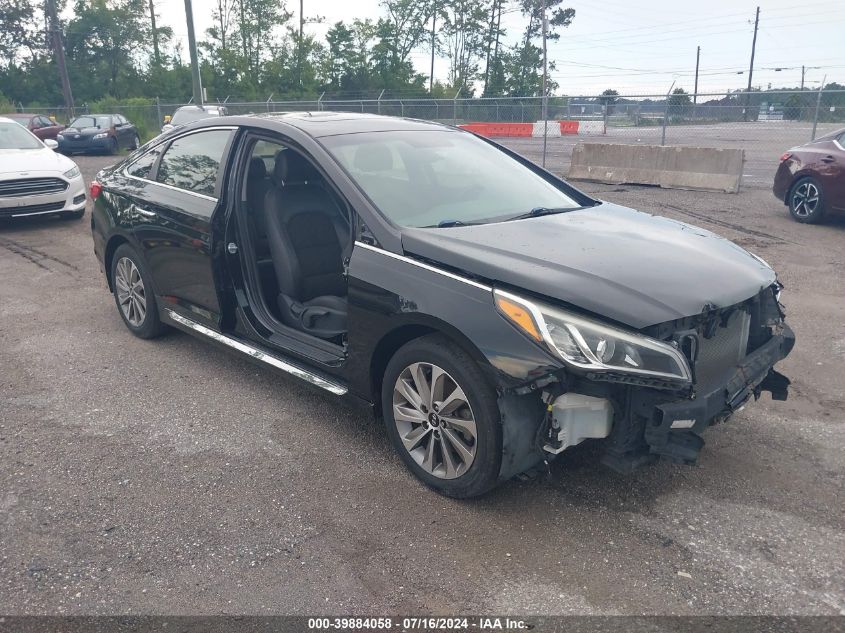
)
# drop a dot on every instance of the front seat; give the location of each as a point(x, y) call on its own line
point(306, 232)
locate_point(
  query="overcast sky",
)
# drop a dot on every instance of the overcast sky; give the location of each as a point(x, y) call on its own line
point(640, 47)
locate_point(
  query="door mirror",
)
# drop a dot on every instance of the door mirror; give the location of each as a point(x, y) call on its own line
point(51, 144)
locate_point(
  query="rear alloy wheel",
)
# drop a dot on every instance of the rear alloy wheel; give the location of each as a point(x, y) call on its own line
point(136, 142)
point(442, 417)
point(806, 201)
point(133, 295)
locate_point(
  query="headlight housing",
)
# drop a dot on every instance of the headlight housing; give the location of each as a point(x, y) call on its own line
point(100, 135)
point(72, 173)
point(591, 345)
point(60, 137)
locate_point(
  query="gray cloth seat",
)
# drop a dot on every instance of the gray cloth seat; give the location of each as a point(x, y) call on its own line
point(307, 232)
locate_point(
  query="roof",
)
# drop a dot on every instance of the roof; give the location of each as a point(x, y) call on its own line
point(323, 123)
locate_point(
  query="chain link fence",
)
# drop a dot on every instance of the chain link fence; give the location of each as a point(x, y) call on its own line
point(764, 124)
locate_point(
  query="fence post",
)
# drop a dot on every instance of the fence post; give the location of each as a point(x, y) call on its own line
point(606, 109)
point(267, 103)
point(818, 105)
point(320, 101)
point(158, 112)
point(379, 101)
point(666, 114)
point(402, 107)
point(455, 107)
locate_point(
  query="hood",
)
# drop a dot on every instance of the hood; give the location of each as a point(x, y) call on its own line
point(15, 161)
point(620, 264)
point(84, 131)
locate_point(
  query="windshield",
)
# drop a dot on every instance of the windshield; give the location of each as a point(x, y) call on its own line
point(91, 121)
point(186, 116)
point(426, 178)
point(13, 136)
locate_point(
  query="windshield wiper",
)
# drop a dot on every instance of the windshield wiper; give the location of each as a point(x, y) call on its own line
point(538, 211)
point(445, 224)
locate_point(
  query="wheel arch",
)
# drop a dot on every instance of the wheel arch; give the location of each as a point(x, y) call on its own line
point(115, 241)
point(402, 334)
point(799, 175)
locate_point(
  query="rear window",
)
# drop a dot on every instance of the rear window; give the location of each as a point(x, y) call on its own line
point(193, 162)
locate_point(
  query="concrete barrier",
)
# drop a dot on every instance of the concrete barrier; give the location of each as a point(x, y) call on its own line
point(700, 168)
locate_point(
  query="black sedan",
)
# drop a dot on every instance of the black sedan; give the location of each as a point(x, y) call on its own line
point(98, 133)
point(492, 314)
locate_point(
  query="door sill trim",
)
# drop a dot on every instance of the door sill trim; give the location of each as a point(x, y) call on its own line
point(257, 354)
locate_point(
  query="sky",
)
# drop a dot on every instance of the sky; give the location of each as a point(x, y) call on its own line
point(641, 47)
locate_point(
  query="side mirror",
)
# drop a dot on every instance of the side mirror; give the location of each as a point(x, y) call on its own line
point(51, 144)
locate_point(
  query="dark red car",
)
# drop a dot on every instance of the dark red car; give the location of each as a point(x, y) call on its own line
point(811, 178)
point(43, 127)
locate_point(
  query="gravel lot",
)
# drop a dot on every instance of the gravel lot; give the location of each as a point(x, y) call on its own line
point(168, 477)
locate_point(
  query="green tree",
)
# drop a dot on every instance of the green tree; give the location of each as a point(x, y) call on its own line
point(465, 32)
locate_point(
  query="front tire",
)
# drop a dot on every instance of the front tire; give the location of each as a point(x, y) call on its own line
point(442, 417)
point(806, 201)
point(133, 294)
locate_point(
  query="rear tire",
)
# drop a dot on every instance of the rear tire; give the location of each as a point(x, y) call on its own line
point(133, 293)
point(442, 417)
point(136, 143)
point(806, 201)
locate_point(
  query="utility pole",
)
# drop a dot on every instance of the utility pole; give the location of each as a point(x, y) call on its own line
point(156, 54)
point(695, 90)
point(433, 41)
point(545, 86)
point(192, 48)
point(299, 46)
point(59, 52)
point(751, 66)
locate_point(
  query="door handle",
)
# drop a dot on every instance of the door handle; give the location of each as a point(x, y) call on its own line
point(143, 211)
point(828, 159)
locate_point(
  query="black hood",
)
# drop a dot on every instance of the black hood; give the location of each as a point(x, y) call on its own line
point(84, 131)
point(621, 264)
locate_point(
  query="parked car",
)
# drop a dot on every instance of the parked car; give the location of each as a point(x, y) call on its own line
point(811, 178)
point(43, 127)
point(102, 133)
point(34, 179)
point(189, 113)
point(491, 313)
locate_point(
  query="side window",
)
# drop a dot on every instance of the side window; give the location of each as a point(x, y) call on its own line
point(192, 162)
point(119, 120)
point(141, 168)
point(43, 121)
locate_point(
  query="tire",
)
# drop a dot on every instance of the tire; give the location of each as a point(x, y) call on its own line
point(136, 143)
point(74, 215)
point(435, 456)
point(143, 323)
point(114, 148)
point(806, 201)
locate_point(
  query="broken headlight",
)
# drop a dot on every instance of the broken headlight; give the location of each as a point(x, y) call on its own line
point(592, 345)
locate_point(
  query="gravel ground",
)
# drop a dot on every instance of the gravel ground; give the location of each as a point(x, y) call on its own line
point(168, 477)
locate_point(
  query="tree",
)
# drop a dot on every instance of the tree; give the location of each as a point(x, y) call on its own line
point(608, 99)
point(524, 66)
point(678, 102)
point(464, 31)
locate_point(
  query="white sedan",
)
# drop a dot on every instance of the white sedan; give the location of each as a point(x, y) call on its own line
point(34, 179)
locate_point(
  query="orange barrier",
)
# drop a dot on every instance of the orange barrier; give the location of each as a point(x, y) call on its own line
point(569, 127)
point(500, 130)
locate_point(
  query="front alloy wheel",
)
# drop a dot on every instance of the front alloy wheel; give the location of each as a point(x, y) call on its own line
point(434, 420)
point(442, 416)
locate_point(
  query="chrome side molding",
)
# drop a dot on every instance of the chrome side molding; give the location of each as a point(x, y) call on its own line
point(293, 370)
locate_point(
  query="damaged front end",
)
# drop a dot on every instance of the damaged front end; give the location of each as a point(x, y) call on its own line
point(729, 354)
